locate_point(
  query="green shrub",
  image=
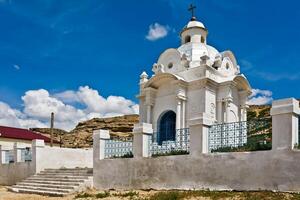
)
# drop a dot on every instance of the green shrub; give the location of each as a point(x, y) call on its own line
point(172, 152)
point(102, 195)
point(127, 194)
point(83, 195)
point(171, 195)
point(127, 155)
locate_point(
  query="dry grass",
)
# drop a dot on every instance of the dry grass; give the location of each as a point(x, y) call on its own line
point(155, 195)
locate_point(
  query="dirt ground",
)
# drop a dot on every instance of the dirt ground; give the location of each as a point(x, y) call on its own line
point(155, 195)
point(6, 195)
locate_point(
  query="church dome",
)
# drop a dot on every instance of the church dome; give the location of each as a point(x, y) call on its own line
point(195, 24)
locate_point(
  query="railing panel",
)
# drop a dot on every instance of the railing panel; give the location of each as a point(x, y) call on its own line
point(241, 136)
point(118, 149)
point(181, 145)
point(26, 155)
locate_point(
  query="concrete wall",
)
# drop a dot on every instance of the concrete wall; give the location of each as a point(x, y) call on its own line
point(55, 157)
point(14, 172)
point(264, 170)
point(277, 169)
point(44, 157)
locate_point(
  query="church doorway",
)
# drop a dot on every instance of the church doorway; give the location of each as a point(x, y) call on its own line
point(166, 127)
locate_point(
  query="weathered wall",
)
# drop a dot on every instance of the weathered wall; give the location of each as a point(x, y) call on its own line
point(14, 172)
point(264, 170)
point(55, 157)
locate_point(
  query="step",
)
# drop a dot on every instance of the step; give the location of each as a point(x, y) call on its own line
point(47, 185)
point(19, 187)
point(69, 170)
point(52, 182)
point(40, 192)
point(60, 176)
point(66, 173)
point(65, 179)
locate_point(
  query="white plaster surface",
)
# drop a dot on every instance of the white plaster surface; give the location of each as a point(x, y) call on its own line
point(55, 158)
point(263, 170)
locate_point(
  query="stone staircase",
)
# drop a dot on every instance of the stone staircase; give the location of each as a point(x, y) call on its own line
point(56, 182)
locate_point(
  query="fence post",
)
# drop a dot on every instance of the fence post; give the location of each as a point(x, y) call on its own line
point(99, 137)
point(199, 128)
point(285, 115)
point(17, 153)
point(36, 158)
point(141, 137)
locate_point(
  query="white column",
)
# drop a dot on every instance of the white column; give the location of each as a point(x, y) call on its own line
point(199, 128)
point(1, 155)
point(149, 110)
point(285, 124)
point(227, 111)
point(37, 158)
point(17, 153)
point(219, 111)
point(99, 138)
point(178, 114)
point(141, 136)
point(243, 113)
point(183, 114)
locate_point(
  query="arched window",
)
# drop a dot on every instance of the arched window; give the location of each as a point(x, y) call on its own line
point(227, 66)
point(166, 127)
point(202, 39)
point(187, 39)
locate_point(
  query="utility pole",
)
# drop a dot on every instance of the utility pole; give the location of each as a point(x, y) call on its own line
point(51, 129)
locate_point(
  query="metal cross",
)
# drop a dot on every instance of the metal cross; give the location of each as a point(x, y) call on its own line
point(191, 9)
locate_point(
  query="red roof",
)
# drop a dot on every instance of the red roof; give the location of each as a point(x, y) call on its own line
point(22, 134)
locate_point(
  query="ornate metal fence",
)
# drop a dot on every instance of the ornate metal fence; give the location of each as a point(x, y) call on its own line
point(180, 145)
point(241, 136)
point(26, 155)
point(118, 148)
point(8, 156)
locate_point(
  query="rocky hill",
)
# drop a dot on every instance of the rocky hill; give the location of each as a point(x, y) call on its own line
point(82, 135)
point(122, 126)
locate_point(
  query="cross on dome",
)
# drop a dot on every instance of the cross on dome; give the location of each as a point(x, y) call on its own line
point(191, 9)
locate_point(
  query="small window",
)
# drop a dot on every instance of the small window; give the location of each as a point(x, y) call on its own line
point(227, 66)
point(170, 65)
point(202, 39)
point(187, 39)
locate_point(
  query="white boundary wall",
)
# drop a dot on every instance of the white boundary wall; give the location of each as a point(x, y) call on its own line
point(44, 157)
point(55, 158)
point(277, 169)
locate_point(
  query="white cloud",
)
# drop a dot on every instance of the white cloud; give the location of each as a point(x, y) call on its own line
point(17, 67)
point(38, 104)
point(157, 31)
point(260, 97)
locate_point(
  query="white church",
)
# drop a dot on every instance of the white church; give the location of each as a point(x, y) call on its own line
point(190, 81)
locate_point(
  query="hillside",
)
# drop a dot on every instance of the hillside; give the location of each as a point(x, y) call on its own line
point(82, 135)
point(122, 126)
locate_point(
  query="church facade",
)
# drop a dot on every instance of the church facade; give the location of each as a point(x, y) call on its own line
point(193, 81)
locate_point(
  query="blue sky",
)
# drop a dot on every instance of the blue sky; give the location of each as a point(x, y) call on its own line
point(59, 46)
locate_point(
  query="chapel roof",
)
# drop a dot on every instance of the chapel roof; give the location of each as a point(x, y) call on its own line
point(194, 24)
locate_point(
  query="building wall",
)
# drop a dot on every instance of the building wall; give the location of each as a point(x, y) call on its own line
point(8, 143)
point(264, 170)
point(45, 157)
